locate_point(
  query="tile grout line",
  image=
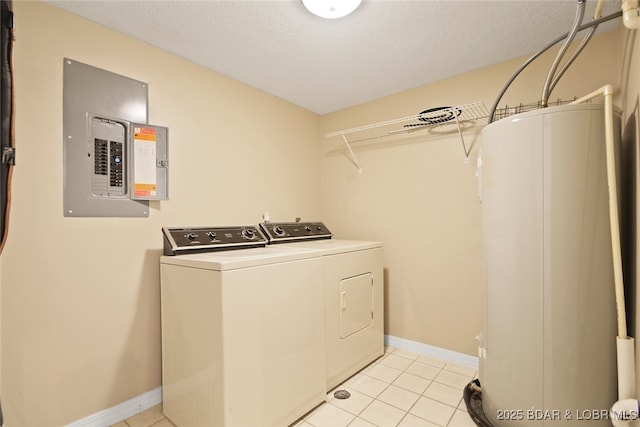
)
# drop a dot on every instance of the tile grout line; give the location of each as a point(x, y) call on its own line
point(420, 395)
point(440, 368)
point(407, 412)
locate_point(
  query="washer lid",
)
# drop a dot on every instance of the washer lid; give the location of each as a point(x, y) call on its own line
point(336, 246)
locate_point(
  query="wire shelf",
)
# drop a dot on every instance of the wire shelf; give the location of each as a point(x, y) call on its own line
point(427, 119)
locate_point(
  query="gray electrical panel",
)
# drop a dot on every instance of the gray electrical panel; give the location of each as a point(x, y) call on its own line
point(108, 178)
point(114, 162)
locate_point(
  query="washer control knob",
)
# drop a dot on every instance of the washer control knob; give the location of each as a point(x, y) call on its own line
point(278, 230)
point(191, 236)
point(307, 228)
point(211, 234)
point(249, 234)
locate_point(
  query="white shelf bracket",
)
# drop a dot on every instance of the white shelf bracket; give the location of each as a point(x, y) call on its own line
point(354, 159)
point(464, 146)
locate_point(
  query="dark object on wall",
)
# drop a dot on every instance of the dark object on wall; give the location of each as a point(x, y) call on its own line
point(7, 150)
point(6, 120)
point(473, 400)
point(436, 116)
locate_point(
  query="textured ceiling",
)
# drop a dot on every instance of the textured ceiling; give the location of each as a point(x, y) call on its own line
point(384, 47)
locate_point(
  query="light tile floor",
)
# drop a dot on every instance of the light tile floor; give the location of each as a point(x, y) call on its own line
point(400, 389)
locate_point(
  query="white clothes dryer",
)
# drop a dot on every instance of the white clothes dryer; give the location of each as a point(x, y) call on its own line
point(242, 330)
point(353, 289)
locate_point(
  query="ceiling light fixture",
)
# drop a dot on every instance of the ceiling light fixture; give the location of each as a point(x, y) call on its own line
point(331, 8)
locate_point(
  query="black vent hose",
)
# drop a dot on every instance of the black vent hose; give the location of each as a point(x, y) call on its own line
point(7, 159)
point(473, 400)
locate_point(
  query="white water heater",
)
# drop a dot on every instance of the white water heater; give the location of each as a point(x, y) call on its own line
point(548, 348)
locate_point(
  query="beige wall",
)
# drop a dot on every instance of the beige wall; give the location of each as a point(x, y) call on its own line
point(80, 296)
point(418, 196)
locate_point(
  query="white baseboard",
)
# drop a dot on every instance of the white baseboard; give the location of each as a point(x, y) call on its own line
point(431, 351)
point(121, 411)
point(151, 398)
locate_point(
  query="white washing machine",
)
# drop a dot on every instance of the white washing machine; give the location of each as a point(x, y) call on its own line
point(353, 294)
point(242, 330)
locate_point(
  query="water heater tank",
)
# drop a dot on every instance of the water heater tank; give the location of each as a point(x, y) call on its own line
point(547, 349)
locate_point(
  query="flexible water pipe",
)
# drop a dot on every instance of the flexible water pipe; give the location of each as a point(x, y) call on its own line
point(546, 90)
point(536, 55)
point(624, 344)
point(597, 14)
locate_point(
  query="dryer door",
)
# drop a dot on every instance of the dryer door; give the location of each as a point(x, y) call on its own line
point(356, 304)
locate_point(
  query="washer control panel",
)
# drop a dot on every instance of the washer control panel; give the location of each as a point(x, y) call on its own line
point(182, 240)
point(278, 232)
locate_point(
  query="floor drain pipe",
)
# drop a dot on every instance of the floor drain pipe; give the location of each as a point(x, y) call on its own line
point(627, 408)
point(624, 411)
point(625, 345)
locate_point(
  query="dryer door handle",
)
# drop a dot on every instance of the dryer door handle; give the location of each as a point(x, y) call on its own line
point(343, 300)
